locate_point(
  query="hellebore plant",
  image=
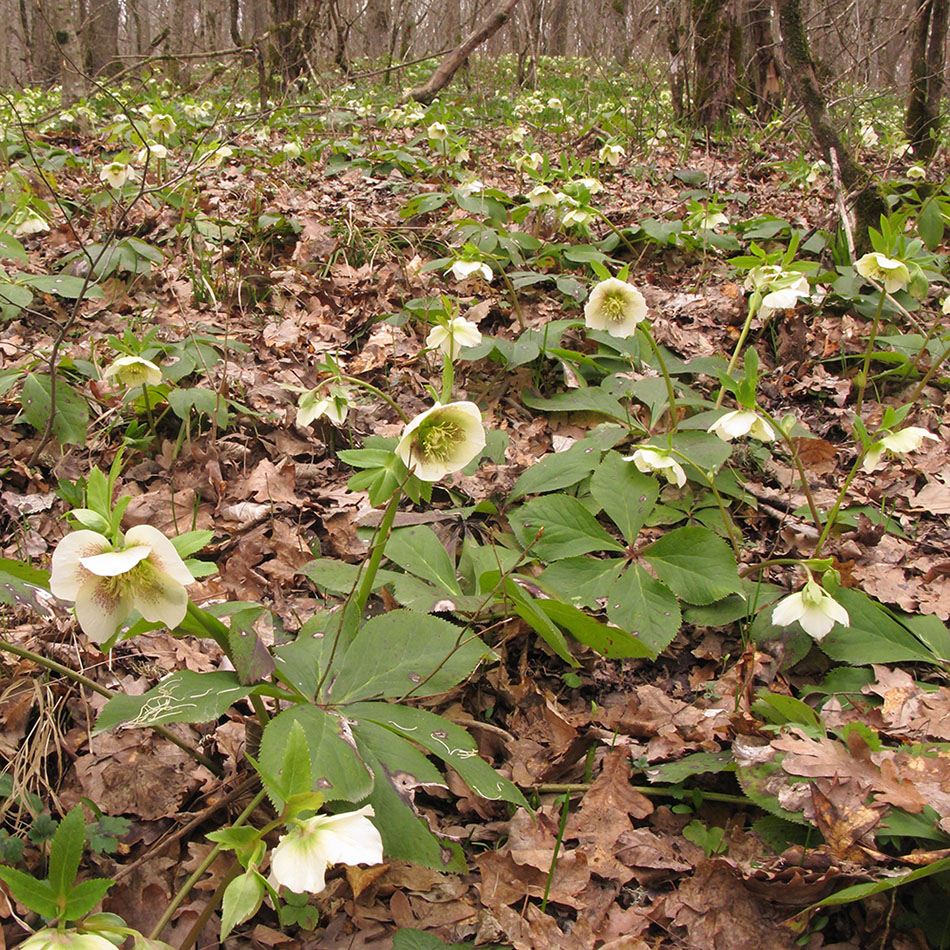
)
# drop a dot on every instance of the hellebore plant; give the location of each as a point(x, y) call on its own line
point(813, 608)
point(649, 459)
point(442, 440)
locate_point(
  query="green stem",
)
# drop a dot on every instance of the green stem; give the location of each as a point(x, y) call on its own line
point(863, 378)
point(671, 395)
point(616, 231)
point(740, 343)
point(199, 871)
point(514, 298)
point(648, 790)
point(797, 462)
point(565, 808)
point(839, 501)
point(148, 409)
point(55, 667)
point(369, 387)
point(448, 373)
point(919, 388)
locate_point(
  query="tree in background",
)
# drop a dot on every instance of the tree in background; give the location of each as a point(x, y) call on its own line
point(922, 122)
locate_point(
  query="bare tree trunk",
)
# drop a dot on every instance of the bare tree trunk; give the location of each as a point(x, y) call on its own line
point(714, 29)
point(675, 47)
point(378, 16)
point(101, 37)
point(868, 204)
point(556, 44)
point(70, 51)
point(922, 122)
point(765, 71)
point(451, 64)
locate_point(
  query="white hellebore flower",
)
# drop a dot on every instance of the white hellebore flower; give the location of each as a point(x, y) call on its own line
point(660, 461)
point(532, 160)
point(814, 608)
point(868, 136)
point(462, 270)
point(162, 122)
point(134, 371)
point(302, 856)
point(442, 440)
point(334, 406)
point(892, 274)
point(451, 338)
point(107, 584)
point(916, 173)
point(152, 150)
point(611, 154)
point(291, 151)
point(215, 156)
point(116, 174)
point(742, 422)
point(541, 195)
point(785, 298)
point(437, 132)
point(55, 939)
point(32, 222)
point(896, 443)
point(615, 306)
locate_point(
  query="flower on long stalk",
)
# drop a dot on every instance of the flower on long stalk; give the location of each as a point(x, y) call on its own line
point(442, 440)
point(616, 307)
point(893, 274)
point(462, 270)
point(117, 174)
point(908, 439)
point(134, 371)
point(649, 459)
point(108, 583)
point(813, 607)
point(334, 406)
point(458, 332)
point(302, 856)
point(742, 422)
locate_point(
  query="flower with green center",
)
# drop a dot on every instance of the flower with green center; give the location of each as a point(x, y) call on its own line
point(541, 195)
point(916, 173)
point(611, 153)
point(214, 156)
point(334, 406)
point(134, 371)
point(905, 440)
point(462, 270)
point(458, 332)
point(162, 123)
point(117, 174)
point(28, 222)
point(616, 307)
point(107, 583)
point(532, 160)
point(742, 422)
point(814, 608)
point(302, 856)
point(892, 274)
point(152, 150)
point(648, 459)
point(442, 440)
point(65, 940)
point(437, 132)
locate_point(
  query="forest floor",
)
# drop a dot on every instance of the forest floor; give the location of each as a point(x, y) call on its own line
point(650, 856)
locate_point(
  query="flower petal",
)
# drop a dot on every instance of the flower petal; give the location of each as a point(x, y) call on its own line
point(114, 563)
point(788, 610)
point(67, 572)
point(163, 555)
point(101, 606)
point(158, 597)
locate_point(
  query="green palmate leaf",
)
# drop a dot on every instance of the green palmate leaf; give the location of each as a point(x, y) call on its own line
point(235, 839)
point(242, 900)
point(338, 577)
point(644, 607)
point(295, 772)
point(425, 598)
point(35, 894)
point(22, 584)
point(560, 470)
point(72, 411)
point(400, 771)
point(66, 851)
point(699, 763)
point(181, 697)
point(874, 635)
point(336, 770)
point(403, 653)
point(419, 551)
point(252, 661)
point(696, 564)
point(581, 400)
point(558, 526)
point(607, 640)
point(626, 495)
point(445, 740)
point(528, 610)
point(583, 581)
point(212, 404)
point(84, 896)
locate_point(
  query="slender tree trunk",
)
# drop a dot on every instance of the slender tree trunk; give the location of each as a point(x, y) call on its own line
point(101, 37)
point(765, 71)
point(451, 64)
point(556, 44)
point(675, 36)
point(868, 205)
point(922, 121)
point(714, 30)
point(378, 18)
point(70, 51)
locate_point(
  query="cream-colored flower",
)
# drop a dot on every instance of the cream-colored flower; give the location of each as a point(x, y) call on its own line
point(161, 123)
point(710, 220)
point(611, 153)
point(868, 136)
point(458, 332)
point(334, 406)
point(784, 298)
point(740, 422)
point(31, 222)
point(648, 459)
point(117, 174)
point(462, 270)
point(437, 132)
point(905, 440)
point(146, 574)
point(576, 216)
point(541, 195)
point(916, 173)
point(152, 150)
point(616, 307)
point(302, 856)
point(532, 160)
point(892, 274)
point(134, 371)
point(442, 440)
point(215, 155)
point(291, 151)
point(814, 608)
point(517, 134)
point(55, 939)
